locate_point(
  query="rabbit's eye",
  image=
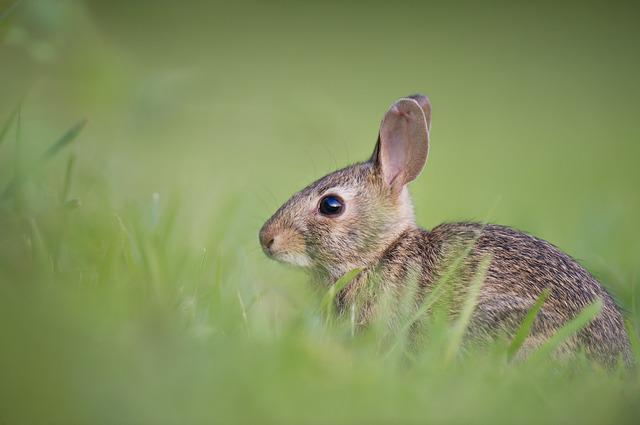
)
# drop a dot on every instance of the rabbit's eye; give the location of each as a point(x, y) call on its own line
point(331, 205)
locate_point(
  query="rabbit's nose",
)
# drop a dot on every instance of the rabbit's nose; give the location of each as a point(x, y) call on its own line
point(266, 240)
point(268, 243)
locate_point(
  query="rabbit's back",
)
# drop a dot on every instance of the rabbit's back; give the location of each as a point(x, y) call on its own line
point(521, 267)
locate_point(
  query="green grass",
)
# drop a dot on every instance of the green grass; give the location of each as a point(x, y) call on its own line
point(132, 285)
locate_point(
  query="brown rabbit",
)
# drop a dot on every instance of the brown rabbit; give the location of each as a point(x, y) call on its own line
point(362, 217)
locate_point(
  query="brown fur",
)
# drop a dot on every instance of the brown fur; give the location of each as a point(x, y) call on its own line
point(377, 232)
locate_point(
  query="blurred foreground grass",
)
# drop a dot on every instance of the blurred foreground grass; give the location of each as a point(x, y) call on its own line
point(132, 287)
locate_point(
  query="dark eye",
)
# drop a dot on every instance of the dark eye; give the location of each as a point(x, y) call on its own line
point(331, 205)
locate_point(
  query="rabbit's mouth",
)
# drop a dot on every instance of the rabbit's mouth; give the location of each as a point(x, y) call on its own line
point(292, 258)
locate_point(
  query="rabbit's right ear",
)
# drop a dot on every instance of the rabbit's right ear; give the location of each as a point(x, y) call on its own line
point(403, 143)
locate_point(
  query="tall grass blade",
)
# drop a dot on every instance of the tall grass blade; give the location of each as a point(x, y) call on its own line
point(22, 176)
point(426, 305)
point(462, 322)
point(434, 295)
point(66, 185)
point(527, 324)
point(327, 302)
point(633, 340)
point(243, 310)
point(568, 330)
point(9, 123)
point(66, 138)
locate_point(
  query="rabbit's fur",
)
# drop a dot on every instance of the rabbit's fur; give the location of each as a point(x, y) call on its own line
point(377, 233)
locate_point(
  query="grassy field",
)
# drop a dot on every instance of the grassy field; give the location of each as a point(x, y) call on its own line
point(143, 144)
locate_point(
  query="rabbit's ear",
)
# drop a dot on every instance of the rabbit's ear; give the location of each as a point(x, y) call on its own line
point(425, 104)
point(403, 143)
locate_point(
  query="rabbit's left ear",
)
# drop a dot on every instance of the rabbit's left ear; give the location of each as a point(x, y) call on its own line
point(403, 143)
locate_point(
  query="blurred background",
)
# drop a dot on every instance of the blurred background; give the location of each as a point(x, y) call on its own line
point(203, 117)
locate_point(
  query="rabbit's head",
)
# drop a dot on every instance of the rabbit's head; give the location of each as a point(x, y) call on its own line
point(348, 218)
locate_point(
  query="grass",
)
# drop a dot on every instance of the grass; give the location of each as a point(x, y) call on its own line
point(526, 325)
point(114, 317)
point(132, 285)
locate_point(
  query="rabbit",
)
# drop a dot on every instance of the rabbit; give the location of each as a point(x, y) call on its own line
point(361, 217)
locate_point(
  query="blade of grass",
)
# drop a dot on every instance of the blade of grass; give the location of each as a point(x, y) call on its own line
point(352, 320)
point(633, 339)
point(569, 329)
point(462, 322)
point(429, 301)
point(404, 311)
point(434, 295)
point(527, 324)
point(66, 185)
point(327, 302)
point(9, 123)
point(245, 320)
point(63, 141)
point(66, 138)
